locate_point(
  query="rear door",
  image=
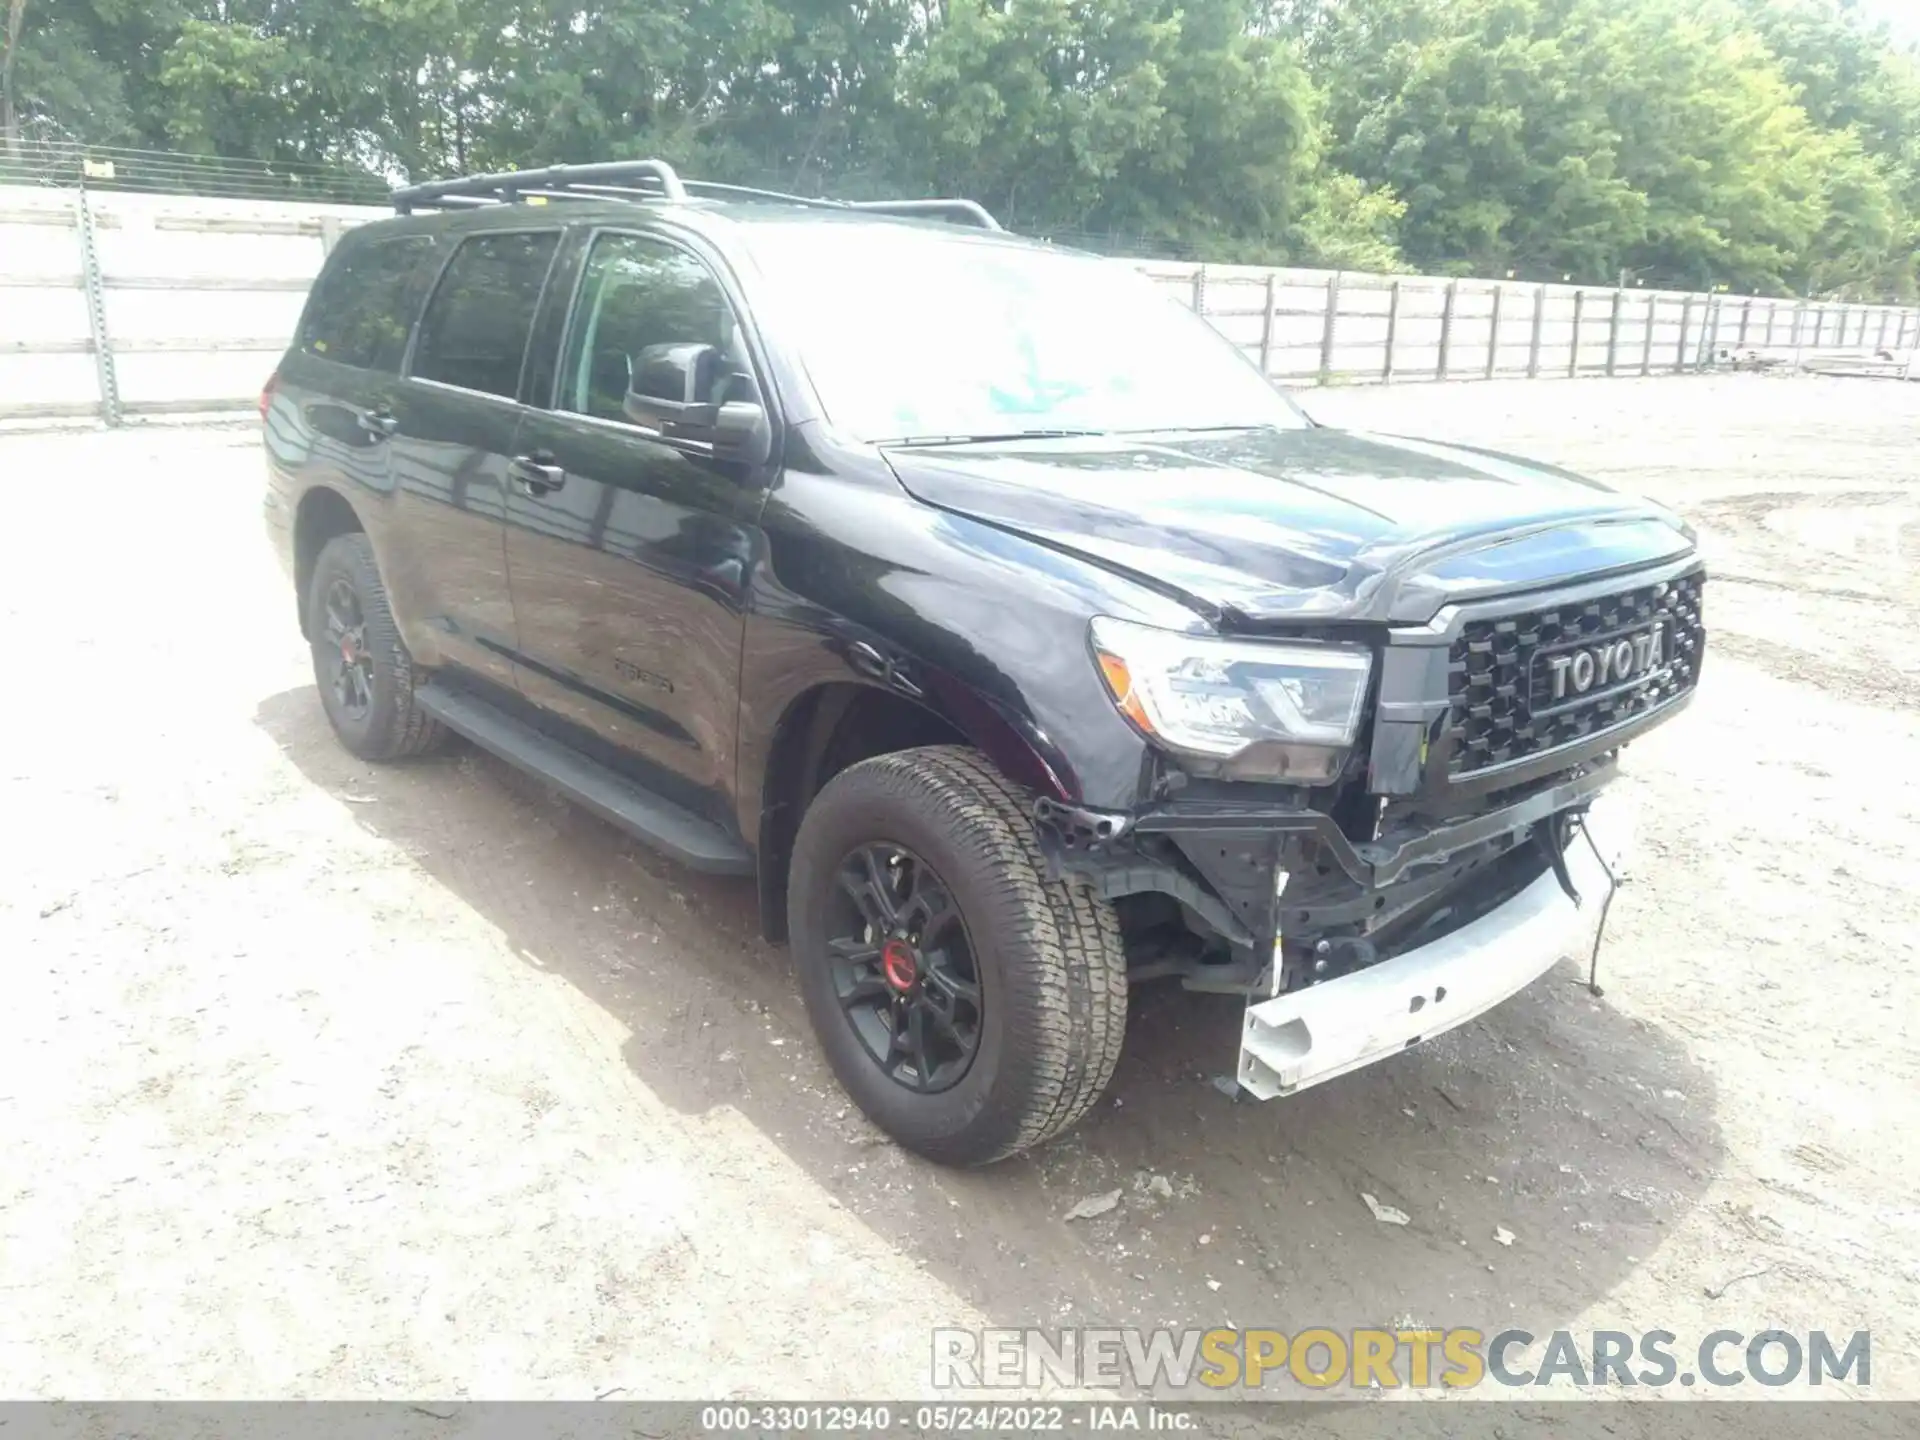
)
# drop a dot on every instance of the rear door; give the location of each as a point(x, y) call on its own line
point(630, 553)
point(453, 418)
point(323, 425)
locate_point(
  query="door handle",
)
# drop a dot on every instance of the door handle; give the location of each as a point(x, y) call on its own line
point(536, 474)
point(379, 423)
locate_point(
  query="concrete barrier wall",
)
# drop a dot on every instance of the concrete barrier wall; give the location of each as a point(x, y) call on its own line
point(196, 296)
point(1316, 326)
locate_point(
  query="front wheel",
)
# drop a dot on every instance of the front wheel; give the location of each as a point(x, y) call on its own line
point(970, 1006)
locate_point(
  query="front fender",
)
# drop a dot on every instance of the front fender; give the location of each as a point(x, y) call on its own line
point(861, 584)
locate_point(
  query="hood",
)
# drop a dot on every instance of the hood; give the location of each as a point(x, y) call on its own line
point(1269, 527)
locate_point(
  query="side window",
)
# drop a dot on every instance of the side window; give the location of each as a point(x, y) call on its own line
point(640, 300)
point(474, 333)
point(359, 314)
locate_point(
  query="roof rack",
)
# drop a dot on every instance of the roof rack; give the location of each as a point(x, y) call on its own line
point(643, 180)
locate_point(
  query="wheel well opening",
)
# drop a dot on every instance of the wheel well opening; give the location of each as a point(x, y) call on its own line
point(823, 733)
point(323, 514)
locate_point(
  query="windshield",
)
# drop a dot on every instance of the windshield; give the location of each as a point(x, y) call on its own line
point(913, 333)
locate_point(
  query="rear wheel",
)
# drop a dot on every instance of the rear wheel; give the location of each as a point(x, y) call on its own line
point(969, 1005)
point(365, 675)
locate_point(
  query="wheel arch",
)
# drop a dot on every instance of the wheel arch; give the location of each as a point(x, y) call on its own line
point(323, 514)
point(839, 723)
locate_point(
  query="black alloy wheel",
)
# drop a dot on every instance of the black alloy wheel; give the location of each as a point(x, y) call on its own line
point(970, 1004)
point(349, 662)
point(903, 968)
point(361, 667)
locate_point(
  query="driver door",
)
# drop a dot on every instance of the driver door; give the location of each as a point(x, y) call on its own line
point(629, 552)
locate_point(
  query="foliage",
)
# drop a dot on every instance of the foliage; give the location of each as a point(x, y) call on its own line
point(1755, 144)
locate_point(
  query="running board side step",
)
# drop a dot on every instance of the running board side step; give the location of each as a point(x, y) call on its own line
point(675, 832)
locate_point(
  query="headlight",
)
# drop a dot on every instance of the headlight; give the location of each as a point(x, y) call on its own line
point(1280, 710)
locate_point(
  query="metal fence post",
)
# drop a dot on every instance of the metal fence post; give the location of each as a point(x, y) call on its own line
point(1266, 328)
point(1646, 341)
point(1819, 326)
point(1539, 327)
point(1393, 327)
point(1773, 308)
point(1573, 350)
point(1686, 321)
point(1613, 332)
point(1200, 290)
point(1880, 342)
point(97, 311)
point(1746, 319)
point(1493, 335)
point(1326, 332)
point(1446, 327)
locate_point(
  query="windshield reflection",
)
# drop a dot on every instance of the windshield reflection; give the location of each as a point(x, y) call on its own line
point(927, 333)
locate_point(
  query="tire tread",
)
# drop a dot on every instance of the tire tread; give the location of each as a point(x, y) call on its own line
point(410, 731)
point(1065, 965)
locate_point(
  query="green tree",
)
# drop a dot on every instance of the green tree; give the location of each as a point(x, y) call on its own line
point(1487, 118)
point(79, 65)
point(9, 54)
point(1348, 225)
point(1750, 143)
point(1852, 79)
point(1173, 122)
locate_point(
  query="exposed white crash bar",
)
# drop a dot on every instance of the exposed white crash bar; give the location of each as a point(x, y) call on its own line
point(1299, 1039)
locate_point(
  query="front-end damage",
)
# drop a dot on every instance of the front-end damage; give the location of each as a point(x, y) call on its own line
point(1464, 849)
point(1347, 950)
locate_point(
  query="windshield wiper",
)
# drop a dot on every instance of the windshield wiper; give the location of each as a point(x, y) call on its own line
point(985, 439)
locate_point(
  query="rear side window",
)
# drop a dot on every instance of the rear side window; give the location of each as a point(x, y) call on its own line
point(474, 333)
point(359, 313)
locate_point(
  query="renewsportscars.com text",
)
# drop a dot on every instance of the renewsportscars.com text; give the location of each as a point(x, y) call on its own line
point(1456, 1359)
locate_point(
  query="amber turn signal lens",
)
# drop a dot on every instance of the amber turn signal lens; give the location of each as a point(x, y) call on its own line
point(1120, 681)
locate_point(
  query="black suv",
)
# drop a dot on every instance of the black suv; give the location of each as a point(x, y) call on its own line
point(987, 605)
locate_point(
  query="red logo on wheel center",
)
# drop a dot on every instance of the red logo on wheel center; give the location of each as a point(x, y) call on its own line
point(896, 958)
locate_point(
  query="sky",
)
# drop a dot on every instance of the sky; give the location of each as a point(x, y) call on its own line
point(1902, 15)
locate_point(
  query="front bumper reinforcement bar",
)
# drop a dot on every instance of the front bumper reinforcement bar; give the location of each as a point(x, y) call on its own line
point(1314, 1034)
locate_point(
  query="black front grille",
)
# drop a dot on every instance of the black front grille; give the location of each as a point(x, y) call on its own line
point(1500, 674)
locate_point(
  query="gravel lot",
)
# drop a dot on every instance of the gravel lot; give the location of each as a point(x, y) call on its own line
point(319, 1079)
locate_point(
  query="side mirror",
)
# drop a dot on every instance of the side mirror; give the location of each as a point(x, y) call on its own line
point(671, 391)
point(666, 387)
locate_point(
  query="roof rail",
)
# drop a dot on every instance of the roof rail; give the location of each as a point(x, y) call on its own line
point(969, 211)
point(641, 180)
point(600, 181)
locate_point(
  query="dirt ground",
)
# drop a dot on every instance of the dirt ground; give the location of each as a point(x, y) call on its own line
point(321, 1079)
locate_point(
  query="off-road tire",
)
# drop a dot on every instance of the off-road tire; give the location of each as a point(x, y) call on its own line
point(1051, 965)
point(394, 727)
